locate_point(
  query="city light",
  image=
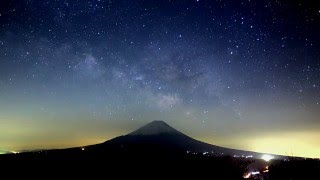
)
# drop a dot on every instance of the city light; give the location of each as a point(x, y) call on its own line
point(267, 157)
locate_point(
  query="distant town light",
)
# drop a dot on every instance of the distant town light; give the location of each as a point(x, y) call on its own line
point(255, 172)
point(246, 175)
point(266, 169)
point(83, 149)
point(250, 174)
point(267, 157)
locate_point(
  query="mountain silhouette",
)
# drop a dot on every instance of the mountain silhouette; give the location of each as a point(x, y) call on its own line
point(157, 149)
point(157, 137)
point(155, 140)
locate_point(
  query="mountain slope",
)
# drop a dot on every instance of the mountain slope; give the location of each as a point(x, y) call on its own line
point(159, 137)
point(156, 140)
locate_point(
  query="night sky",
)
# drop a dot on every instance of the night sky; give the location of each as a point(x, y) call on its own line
point(242, 74)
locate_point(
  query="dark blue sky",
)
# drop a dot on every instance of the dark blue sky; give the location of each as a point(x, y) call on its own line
point(242, 74)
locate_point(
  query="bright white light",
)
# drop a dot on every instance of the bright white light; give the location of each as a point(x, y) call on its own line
point(246, 175)
point(249, 174)
point(82, 149)
point(255, 172)
point(267, 157)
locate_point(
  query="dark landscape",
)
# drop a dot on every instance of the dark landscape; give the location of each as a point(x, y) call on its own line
point(159, 148)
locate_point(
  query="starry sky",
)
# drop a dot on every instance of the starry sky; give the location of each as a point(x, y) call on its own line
point(242, 74)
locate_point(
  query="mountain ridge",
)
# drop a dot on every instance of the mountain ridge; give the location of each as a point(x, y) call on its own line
point(159, 135)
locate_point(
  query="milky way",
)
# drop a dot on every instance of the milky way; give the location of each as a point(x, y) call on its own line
point(243, 74)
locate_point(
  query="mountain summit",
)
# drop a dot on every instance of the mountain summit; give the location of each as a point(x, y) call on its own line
point(155, 128)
